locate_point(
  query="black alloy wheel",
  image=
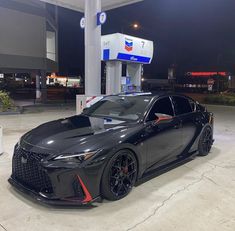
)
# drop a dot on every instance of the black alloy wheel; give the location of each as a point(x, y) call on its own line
point(119, 176)
point(205, 142)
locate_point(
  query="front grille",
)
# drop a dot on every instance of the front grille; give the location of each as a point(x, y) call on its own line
point(27, 170)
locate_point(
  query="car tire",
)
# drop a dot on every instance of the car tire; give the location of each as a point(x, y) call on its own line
point(205, 142)
point(119, 176)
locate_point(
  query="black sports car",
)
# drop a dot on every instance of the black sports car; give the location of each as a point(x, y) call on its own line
point(110, 147)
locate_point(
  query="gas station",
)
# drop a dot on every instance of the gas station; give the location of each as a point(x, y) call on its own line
point(93, 20)
point(114, 50)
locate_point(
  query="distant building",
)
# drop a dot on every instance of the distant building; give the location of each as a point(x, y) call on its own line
point(156, 85)
point(203, 82)
point(28, 39)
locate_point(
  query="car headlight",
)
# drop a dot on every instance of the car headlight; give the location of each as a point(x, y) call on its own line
point(76, 156)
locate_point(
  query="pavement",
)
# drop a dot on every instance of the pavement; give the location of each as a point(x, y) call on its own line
point(32, 103)
point(199, 195)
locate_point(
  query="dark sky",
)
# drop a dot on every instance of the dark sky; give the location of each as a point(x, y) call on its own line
point(192, 34)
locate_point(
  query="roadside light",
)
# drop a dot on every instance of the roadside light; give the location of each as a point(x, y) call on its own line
point(142, 79)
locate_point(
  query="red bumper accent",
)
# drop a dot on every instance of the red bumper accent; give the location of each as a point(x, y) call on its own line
point(88, 197)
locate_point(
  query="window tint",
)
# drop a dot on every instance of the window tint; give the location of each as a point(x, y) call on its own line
point(162, 106)
point(182, 105)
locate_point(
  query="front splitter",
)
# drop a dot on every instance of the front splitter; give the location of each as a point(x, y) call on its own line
point(41, 198)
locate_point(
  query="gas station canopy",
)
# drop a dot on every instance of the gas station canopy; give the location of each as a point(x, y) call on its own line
point(79, 5)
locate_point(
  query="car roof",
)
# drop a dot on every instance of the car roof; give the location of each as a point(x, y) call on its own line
point(152, 94)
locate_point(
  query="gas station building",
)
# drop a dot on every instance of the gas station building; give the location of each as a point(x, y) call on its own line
point(29, 40)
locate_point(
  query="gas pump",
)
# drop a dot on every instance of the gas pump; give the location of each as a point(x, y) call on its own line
point(119, 49)
point(121, 54)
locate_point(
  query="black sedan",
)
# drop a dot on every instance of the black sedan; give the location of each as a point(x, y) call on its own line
point(110, 147)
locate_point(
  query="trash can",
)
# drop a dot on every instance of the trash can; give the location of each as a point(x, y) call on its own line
point(1, 142)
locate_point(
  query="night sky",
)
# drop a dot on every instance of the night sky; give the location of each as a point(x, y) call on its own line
point(191, 34)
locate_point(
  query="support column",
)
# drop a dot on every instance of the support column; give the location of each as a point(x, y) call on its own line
point(43, 87)
point(38, 89)
point(113, 77)
point(92, 48)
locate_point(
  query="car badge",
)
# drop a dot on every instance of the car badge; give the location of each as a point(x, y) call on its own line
point(24, 160)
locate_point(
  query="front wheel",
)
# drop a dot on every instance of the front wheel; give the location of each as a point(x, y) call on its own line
point(205, 142)
point(119, 176)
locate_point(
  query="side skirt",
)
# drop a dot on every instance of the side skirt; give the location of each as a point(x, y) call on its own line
point(163, 169)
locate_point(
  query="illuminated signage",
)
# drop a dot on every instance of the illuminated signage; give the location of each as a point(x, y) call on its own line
point(126, 48)
point(206, 74)
point(128, 44)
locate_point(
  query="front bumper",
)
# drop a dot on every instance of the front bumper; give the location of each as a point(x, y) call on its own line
point(55, 183)
point(46, 199)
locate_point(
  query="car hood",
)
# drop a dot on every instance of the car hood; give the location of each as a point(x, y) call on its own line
point(74, 134)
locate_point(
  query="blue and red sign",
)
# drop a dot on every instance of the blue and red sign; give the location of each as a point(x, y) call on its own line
point(128, 45)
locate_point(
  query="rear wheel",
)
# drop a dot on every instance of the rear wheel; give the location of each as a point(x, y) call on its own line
point(119, 175)
point(205, 142)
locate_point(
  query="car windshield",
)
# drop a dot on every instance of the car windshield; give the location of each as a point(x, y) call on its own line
point(120, 107)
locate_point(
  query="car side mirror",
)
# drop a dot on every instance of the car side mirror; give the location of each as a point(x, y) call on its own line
point(162, 118)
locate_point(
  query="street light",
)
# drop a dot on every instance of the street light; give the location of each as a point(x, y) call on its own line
point(136, 26)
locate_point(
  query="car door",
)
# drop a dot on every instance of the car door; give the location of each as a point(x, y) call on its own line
point(187, 114)
point(164, 140)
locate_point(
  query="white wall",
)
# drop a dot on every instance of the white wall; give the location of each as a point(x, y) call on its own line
point(22, 34)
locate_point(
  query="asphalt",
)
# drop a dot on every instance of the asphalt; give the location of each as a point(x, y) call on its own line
point(199, 195)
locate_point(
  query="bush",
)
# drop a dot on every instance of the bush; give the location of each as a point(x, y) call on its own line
point(5, 101)
point(220, 99)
